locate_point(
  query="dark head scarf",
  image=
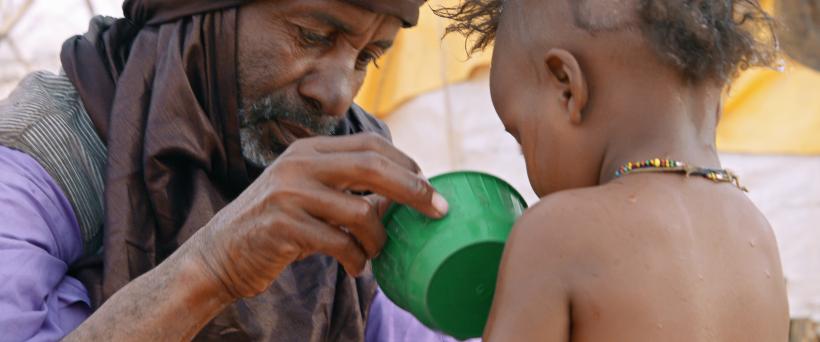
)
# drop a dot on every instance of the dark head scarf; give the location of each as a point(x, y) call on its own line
point(160, 87)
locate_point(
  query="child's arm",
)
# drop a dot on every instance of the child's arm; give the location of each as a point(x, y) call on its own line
point(532, 301)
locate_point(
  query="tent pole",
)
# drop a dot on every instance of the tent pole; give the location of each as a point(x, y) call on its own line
point(453, 141)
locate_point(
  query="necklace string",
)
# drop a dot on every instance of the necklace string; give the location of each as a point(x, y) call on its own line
point(675, 166)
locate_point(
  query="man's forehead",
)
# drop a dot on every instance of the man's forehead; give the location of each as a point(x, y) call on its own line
point(352, 21)
point(350, 26)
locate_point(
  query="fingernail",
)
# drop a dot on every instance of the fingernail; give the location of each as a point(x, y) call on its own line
point(440, 204)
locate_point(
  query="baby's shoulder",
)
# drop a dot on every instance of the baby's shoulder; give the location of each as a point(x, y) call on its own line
point(585, 208)
point(572, 224)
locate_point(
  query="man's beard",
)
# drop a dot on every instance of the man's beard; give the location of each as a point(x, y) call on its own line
point(267, 126)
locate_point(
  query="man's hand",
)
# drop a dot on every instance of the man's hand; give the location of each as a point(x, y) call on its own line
point(302, 204)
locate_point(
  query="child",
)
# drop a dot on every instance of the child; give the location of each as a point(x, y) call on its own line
point(640, 234)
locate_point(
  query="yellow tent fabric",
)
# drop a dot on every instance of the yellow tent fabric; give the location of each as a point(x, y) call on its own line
point(765, 112)
point(419, 62)
point(771, 112)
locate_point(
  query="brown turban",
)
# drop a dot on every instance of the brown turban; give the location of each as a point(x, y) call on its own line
point(160, 87)
point(406, 10)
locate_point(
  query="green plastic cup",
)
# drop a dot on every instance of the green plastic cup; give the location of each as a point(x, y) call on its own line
point(444, 271)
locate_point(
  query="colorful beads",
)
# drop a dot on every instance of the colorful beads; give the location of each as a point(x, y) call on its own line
point(656, 163)
point(668, 165)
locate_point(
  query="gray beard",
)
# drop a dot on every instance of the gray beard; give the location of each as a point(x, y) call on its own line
point(260, 148)
point(254, 150)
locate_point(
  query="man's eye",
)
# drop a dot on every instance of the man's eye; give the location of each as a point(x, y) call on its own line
point(310, 38)
point(366, 57)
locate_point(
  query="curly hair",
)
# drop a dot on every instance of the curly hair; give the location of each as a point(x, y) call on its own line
point(704, 39)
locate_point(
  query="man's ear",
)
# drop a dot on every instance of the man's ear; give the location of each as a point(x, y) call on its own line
point(565, 73)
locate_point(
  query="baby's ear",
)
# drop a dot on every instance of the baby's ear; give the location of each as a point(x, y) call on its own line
point(565, 73)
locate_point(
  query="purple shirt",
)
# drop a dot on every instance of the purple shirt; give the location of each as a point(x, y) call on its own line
point(389, 323)
point(40, 238)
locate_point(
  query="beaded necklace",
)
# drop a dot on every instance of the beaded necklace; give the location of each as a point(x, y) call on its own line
point(667, 165)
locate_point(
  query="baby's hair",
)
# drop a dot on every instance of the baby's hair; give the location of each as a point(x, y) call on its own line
point(704, 39)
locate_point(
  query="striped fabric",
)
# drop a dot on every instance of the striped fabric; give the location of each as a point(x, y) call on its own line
point(45, 119)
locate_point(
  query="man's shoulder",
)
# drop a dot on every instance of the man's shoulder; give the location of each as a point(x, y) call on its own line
point(38, 96)
point(44, 117)
point(20, 173)
point(42, 86)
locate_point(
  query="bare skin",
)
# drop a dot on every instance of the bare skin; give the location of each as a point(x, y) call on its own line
point(644, 257)
point(639, 260)
point(314, 52)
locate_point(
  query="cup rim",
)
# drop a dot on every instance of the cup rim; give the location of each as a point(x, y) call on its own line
point(395, 206)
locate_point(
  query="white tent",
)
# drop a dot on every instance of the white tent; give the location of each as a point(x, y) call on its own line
point(32, 32)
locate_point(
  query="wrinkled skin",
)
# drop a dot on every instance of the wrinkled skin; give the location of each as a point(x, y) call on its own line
point(311, 61)
point(296, 206)
point(300, 64)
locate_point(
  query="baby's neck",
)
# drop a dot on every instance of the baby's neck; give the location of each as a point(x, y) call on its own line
point(676, 126)
point(693, 153)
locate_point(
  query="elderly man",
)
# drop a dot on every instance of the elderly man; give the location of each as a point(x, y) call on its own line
point(179, 179)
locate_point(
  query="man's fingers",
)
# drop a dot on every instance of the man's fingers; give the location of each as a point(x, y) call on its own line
point(368, 162)
point(379, 202)
point(370, 171)
point(332, 241)
point(355, 213)
point(363, 143)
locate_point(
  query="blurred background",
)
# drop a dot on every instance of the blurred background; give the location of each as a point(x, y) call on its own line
point(436, 101)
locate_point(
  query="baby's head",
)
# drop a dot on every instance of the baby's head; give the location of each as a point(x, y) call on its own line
point(571, 76)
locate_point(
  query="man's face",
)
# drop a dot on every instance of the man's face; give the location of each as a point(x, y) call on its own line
point(301, 63)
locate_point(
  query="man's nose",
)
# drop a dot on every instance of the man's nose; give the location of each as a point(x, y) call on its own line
point(333, 86)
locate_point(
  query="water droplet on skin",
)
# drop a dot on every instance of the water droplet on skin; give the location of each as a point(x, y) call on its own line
point(752, 243)
point(768, 274)
point(700, 276)
point(660, 326)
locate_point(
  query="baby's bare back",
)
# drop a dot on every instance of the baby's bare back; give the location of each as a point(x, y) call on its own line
point(687, 261)
point(644, 258)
